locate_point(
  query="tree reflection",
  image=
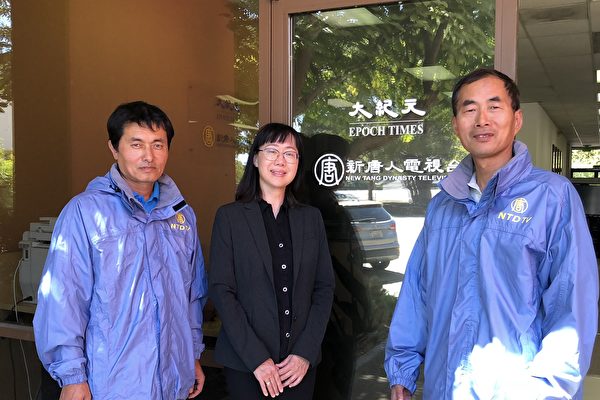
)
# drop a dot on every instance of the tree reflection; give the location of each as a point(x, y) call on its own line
point(244, 25)
point(5, 54)
point(6, 154)
point(368, 63)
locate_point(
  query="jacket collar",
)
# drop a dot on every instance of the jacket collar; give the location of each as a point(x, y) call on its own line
point(519, 166)
point(170, 201)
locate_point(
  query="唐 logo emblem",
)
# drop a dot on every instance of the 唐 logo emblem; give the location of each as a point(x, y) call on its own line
point(519, 205)
point(179, 224)
point(329, 170)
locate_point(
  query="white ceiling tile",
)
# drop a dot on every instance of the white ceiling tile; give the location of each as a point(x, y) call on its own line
point(557, 28)
point(536, 94)
point(530, 63)
point(563, 79)
point(532, 75)
point(595, 16)
point(585, 115)
point(553, 106)
point(547, 3)
point(566, 45)
point(577, 97)
point(521, 31)
point(525, 49)
point(567, 67)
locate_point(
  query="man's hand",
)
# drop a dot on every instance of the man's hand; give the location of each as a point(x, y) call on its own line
point(399, 392)
point(76, 391)
point(292, 370)
point(199, 382)
point(268, 376)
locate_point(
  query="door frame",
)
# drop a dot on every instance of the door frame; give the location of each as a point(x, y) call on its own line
point(275, 58)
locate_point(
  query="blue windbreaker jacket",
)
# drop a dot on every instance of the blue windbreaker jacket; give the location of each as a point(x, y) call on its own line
point(122, 291)
point(500, 297)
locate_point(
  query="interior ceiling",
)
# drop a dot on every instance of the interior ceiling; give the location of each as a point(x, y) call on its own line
point(558, 53)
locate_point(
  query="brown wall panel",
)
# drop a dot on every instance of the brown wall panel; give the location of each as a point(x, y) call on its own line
point(74, 61)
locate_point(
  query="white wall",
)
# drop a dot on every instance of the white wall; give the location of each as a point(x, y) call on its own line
point(539, 134)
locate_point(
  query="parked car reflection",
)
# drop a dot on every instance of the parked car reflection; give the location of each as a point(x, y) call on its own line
point(375, 230)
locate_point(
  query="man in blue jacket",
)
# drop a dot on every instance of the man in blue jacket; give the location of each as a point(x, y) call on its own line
point(119, 312)
point(500, 297)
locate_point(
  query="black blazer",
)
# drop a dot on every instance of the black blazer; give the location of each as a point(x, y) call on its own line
point(242, 290)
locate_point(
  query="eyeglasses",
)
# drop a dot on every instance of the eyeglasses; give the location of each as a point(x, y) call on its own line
point(272, 155)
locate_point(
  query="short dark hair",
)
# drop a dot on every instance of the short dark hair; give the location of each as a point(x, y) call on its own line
point(509, 85)
point(249, 187)
point(139, 112)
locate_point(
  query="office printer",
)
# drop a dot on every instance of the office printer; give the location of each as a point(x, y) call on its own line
point(35, 245)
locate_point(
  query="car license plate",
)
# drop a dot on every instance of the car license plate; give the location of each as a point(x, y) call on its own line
point(376, 234)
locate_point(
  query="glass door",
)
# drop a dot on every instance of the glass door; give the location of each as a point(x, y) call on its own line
point(369, 85)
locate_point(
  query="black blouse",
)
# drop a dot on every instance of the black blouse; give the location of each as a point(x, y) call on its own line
point(280, 244)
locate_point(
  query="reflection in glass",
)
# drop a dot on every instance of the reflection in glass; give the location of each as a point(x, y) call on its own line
point(6, 143)
point(371, 88)
point(244, 24)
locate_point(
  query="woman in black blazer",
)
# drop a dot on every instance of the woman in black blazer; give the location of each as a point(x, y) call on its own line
point(270, 275)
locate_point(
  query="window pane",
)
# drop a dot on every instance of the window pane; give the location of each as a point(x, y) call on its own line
point(371, 91)
point(585, 158)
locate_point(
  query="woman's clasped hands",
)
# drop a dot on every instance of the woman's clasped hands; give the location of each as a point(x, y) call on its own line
point(273, 378)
